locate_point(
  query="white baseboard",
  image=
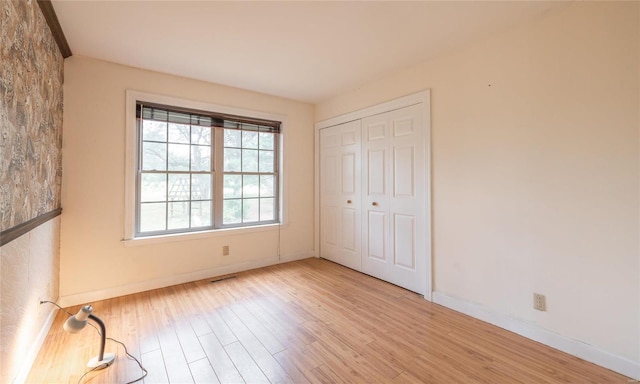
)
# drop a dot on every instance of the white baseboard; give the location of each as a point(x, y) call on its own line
point(33, 351)
point(103, 294)
point(531, 331)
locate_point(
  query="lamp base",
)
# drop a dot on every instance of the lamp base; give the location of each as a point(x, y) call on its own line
point(101, 364)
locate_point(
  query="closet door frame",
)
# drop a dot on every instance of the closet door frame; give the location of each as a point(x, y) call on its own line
point(423, 98)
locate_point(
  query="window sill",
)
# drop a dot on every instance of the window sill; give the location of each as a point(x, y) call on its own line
point(150, 240)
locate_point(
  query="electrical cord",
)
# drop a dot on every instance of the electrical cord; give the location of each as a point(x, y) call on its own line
point(126, 351)
point(88, 372)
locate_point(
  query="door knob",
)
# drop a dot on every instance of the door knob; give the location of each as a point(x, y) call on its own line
point(348, 201)
point(374, 204)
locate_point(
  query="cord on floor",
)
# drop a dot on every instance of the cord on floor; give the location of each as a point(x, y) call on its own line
point(126, 351)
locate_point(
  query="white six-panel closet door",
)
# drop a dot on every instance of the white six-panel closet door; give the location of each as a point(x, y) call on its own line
point(340, 194)
point(393, 202)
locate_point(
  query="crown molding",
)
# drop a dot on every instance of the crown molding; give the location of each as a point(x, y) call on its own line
point(54, 25)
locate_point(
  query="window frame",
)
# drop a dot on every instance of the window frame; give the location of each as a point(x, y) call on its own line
point(133, 151)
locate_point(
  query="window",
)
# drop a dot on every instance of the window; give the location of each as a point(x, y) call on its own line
point(199, 170)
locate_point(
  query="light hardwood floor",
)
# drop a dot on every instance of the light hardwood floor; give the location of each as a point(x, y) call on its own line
point(309, 321)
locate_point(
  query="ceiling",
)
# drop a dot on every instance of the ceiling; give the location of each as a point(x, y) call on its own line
point(307, 51)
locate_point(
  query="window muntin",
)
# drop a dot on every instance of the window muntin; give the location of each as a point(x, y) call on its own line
point(177, 188)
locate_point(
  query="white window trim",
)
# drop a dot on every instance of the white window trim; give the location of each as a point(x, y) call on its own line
point(132, 97)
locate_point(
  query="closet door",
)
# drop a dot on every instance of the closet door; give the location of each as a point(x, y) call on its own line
point(340, 194)
point(394, 211)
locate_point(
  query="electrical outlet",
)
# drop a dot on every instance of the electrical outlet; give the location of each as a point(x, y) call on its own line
point(225, 250)
point(539, 302)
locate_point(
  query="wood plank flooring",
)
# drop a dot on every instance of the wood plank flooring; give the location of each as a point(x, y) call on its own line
point(309, 321)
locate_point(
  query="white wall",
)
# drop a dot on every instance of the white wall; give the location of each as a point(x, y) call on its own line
point(94, 263)
point(535, 171)
point(28, 273)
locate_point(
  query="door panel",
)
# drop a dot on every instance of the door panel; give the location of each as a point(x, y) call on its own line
point(349, 177)
point(350, 225)
point(340, 201)
point(395, 184)
point(375, 172)
point(376, 236)
point(403, 171)
point(404, 233)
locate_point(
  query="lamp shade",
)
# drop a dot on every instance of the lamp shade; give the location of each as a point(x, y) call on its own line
point(74, 324)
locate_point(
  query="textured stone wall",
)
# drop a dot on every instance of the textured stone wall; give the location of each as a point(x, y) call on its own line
point(31, 76)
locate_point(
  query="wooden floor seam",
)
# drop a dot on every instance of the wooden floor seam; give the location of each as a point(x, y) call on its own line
point(308, 321)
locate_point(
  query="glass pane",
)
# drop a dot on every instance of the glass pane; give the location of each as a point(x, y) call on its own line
point(154, 130)
point(266, 140)
point(266, 161)
point(153, 187)
point(201, 135)
point(200, 187)
point(178, 157)
point(178, 216)
point(250, 186)
point(179, 187)
point(249, 139)
point(232, 161)
point(154, 156)
point(200, 158)
point(232, 138)
point(249, 160)
point(232, 211)
point(267, 185)
point(152, 217)
point(232, 186)
point(200, 214)
point(179, 133)
point(250, 210)
point(267, 209)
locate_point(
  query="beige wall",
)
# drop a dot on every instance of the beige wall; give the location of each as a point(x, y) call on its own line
point(535, 170)
point(93, 258)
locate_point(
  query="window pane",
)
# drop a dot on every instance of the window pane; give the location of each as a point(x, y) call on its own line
point(200, 158)
point(179, 187)
point(201, 135)
point(267, 208)
point(154, 130)
point(232, 138)
point(200, 187)
point(152, 217)
point(200, 214)
point(232, 186)
point(232, 211)
point(179, 133)
point(232, 162)
point(154, 156)
point(266, 161)
point(250, 210)
point(266, 140)
point(266, 185)
point(249, 139)
point(178, 216)
point(178, 157)
point(250, 186)
point(153, 187)
point(249, 160)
